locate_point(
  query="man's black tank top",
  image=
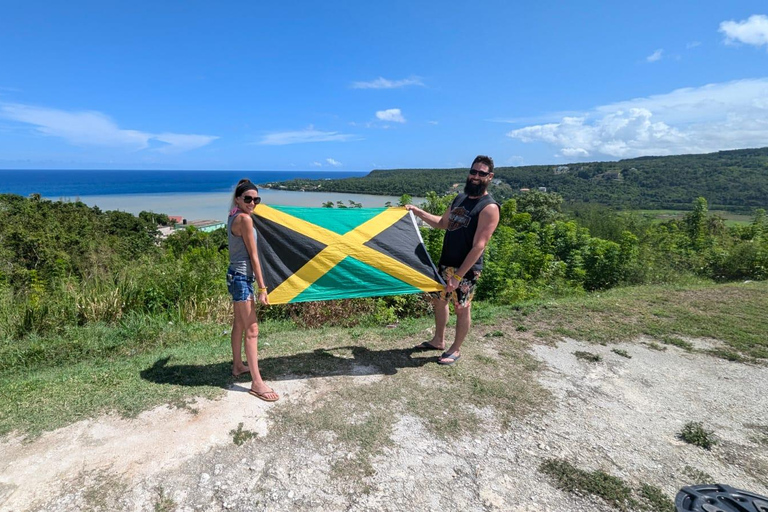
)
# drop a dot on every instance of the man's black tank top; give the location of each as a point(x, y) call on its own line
point(462, 226)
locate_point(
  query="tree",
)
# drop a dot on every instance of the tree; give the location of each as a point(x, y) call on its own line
point(696, 223)
point(759, 224)
point(436, 205)
point(544, 207)
point(153, 219)
point(508, 211)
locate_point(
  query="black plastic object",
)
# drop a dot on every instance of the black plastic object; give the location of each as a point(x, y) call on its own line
point(719, 498)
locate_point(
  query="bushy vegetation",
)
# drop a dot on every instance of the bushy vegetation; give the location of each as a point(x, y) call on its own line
point(64, 264)
point(538, 251)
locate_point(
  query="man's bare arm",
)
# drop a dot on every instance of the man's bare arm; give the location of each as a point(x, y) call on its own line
point(433, 220)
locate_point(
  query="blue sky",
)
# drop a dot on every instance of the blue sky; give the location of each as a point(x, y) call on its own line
point(362, 85)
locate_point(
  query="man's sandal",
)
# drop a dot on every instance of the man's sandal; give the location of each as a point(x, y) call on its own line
point(448, 359)
point(426, 346)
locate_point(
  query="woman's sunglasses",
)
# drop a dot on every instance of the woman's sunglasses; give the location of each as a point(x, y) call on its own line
point(249, 199)
point(475, 172)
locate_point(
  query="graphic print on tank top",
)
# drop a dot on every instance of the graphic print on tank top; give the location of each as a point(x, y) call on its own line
point(458, 218)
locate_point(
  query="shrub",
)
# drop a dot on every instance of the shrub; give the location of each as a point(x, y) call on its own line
point(694, 433)
point(588, 356)
point(341, 313)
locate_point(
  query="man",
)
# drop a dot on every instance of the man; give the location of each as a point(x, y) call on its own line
point(469, 224)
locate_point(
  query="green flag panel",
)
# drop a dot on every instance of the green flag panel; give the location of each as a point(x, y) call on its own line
point(338, 220)
point(353, 279)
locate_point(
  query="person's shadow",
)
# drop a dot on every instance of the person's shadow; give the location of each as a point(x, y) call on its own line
point(320, 362)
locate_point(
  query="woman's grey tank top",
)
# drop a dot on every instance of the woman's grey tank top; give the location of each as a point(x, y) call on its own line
point(239, 259)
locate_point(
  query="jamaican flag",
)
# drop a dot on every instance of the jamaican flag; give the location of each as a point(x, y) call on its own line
point(309, 254)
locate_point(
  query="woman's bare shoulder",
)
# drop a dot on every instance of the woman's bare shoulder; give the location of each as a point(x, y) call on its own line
point(242, 217)
point(242, 221)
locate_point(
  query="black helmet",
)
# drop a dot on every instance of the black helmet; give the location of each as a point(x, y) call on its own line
point(719, 498)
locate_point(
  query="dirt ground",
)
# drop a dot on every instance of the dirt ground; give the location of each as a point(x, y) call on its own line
point(619, 415)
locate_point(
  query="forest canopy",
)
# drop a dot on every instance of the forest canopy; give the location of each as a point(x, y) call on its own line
point(730, 180)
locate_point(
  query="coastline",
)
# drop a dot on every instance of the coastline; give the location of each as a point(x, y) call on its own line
point(215, 205)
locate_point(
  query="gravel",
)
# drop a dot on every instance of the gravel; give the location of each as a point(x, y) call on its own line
point(619, 415)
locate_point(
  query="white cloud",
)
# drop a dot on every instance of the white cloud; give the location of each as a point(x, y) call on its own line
point(393, 114)
point(383, 83)
point(303, 137)
point(753, 31)
point(433, 122)
point(92, 128)
point(333, 162)
point(655, 55)
point(546, 117)
point(178, 143)
point(316, 164)
point(692, 44)
point(714, 117)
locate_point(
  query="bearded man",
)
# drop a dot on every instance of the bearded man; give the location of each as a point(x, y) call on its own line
point(469, 224)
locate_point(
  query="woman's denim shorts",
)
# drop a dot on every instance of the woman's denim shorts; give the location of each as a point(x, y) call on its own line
point(240, 286)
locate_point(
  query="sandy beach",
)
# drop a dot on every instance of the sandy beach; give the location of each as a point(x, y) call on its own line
point(214, 206)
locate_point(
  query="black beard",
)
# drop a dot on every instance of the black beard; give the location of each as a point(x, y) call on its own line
point(474, 190)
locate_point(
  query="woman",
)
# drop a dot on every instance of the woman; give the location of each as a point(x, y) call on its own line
point(244, 268)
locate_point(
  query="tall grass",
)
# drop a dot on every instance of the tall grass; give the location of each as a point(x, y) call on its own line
point(190, 288)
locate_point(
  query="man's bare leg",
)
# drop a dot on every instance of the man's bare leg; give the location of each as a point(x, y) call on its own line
point(441, 321)
point(463, 322)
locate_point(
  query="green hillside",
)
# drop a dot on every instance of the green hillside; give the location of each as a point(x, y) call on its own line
point(730, 180)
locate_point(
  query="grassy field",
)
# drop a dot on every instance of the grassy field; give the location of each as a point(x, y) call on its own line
point(731, 219)
point(141, 363)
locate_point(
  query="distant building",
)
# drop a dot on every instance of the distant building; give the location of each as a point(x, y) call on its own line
point(542, 189)
point(207, 225)
point(525, 190)
point(177, 219)
point(452, 189)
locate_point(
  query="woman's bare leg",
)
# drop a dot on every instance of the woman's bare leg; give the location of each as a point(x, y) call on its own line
point(245, 312)
point(238, 368)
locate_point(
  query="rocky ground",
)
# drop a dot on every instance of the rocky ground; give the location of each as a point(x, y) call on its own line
point(620, 415)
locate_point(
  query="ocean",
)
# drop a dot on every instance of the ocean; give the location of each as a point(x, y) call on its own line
point(72, 184)
point(195, 195)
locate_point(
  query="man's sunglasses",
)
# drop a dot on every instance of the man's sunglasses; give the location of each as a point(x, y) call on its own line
point(249, 199)
point(475, 172)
